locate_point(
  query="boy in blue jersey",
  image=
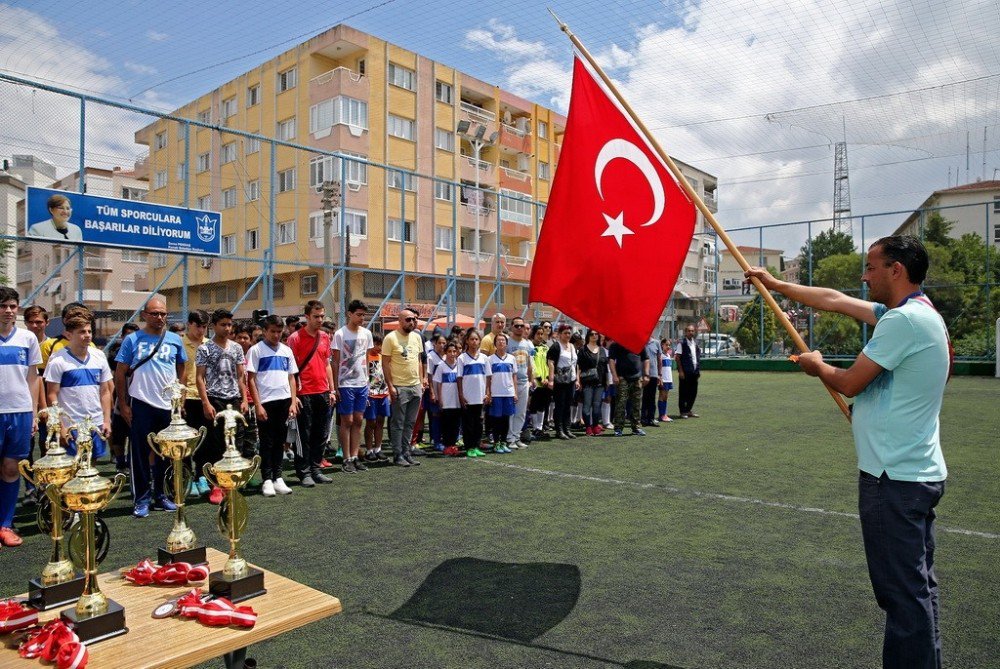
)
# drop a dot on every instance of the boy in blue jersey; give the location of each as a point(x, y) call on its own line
point(152, 359)
point(898, 381)
point(19, 393)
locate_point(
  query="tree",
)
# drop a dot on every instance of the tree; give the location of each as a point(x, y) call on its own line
point(837, 334)
point(841, 271)
point(825, 244)
point(749, 333)
point(937, 228)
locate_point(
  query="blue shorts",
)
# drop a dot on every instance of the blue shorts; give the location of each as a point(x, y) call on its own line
point(378, 407)
point(352, 400)
point(502, 406)
point(15, 435)
point(100, 448)
point(667, 385)
point(610, 392)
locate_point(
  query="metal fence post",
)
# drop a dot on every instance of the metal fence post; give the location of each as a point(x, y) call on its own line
point(271, 229)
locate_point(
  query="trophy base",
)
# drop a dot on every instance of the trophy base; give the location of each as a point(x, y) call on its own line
point(45, 597)
point(194, 555)
point(237, 589)
point(101, 627)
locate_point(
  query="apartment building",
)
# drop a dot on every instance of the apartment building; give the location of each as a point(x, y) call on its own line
point(972, 207)
point(466, 158)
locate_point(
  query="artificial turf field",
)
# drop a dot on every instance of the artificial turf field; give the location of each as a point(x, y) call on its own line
point(727, 541)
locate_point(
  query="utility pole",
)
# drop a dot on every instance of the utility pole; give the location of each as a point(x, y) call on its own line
point(331, 199)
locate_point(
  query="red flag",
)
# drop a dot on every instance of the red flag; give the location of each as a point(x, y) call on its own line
point(617, 228)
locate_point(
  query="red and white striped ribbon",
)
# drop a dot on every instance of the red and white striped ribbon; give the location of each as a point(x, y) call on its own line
point(217, 612)
point(174, 573)
point(14, 615)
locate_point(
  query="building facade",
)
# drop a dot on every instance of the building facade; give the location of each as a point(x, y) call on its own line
point(973, 207)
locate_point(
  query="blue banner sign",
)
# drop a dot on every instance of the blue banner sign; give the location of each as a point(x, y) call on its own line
point(63, 215)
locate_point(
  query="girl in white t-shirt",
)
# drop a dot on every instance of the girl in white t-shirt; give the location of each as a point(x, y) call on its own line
point(666, 378)
point(502, 396)
point(446, 393)
point(473, 368)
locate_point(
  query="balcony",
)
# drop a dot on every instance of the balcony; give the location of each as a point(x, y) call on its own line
point(97, 264)
point(710, 201)
point(338, 81)
point(515, 139)
point(24, 276)
point(518, 268)
point(474, 170)
point(477, 113)
point(98, 295)
point(515, 180)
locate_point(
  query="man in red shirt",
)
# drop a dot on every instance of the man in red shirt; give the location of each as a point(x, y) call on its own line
point(311, 347)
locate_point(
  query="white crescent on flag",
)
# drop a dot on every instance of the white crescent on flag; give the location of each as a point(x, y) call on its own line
point(620, 148)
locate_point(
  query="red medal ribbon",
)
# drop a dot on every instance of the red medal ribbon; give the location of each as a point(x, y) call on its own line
point(174, 573)
point(48, 642)
point(72, 655)
point(217, 612)
point(15, 615)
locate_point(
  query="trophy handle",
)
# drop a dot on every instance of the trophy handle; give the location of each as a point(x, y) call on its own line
point(24, 467)
point(153, 445)
point(117, 486)
point(256, 466)
point(208, 471)
point(202, 431)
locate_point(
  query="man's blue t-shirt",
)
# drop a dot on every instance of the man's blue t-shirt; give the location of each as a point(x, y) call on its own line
point(149, 380)
point(895, 419)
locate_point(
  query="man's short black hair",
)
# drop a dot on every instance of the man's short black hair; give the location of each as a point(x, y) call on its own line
point(274, 320)
point(291, 320)
point(909, 252)
point(129, 328)
point(355, 305)
point(220, 314)
point(198, 317)
point(7, 294)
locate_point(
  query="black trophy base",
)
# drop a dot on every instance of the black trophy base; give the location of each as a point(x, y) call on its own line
point(45, 597)
point(192, 556)
point(237, 589)
point(92, 629)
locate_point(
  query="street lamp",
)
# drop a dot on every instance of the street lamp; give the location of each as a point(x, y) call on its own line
point(477, 141)
point(330, 191)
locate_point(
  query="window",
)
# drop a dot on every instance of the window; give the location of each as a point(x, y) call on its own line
point(377, 285)
point(396, 179)
point(710, 276)
point(402, 77)
point(361, 66)
point(254, 293)
point(206, 295)
point(524, 295)
point(228, 245)
point(133, 193)
point(286, 180)
point(204, 161)
point(160, 179)
point(286, 129)
point(355, 221)
point(400, 230)
point(228, 107)
point(128, 255)
point(444, 191)
point(251, 241)
point(518, 210)
point(401, 127)
point(444, 93)
point(287, 80)
point(286, 233)
point(253, 95)
point(252, 145)
point(499, 299)
point(205, 116)
point(159, 260)
point(444, 139)
point(222, 294)
point(316, 225)
point(253, 190)
point(228, 198)
point(204, 203)
point(181, 171)
point(996, 204)
point(426, 289)
point(309, 284)
point(465, 291)
point(543, 129)
point(160, 140)
point(279, 288)
point(228, 153)
point(543, 170)
point(444, 238)
point(327, 168)
point(996, 233)
point(340, 110)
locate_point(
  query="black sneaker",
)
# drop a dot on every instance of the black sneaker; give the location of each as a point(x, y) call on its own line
point(360, 466)
point(382, 457)
point(307, 481)
point(371, 457)
point(320, 477)
point(348, 467)
point(400, 462)
point(409, 459)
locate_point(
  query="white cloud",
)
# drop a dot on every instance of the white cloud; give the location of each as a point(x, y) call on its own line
point(156, 36)
point(501, 39)
point(139, 68)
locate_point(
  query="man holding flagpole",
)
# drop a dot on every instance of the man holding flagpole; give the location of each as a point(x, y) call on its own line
point(898, 382)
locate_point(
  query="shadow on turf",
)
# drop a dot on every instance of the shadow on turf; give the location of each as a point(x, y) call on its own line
point(513, 603)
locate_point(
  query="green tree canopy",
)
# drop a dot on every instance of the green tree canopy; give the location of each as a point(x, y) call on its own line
point(825, 244)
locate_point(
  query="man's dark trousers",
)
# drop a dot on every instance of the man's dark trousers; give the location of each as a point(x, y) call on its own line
point(688, 391)
point(312, 423)
point(897, 523)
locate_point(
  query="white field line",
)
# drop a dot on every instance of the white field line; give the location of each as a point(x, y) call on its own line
point(714, 495)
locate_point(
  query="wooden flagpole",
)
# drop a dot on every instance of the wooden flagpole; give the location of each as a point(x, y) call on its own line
point(706, 212)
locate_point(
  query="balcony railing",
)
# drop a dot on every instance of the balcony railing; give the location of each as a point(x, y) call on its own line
point(511, 129)
point(516, 174)
point(24, 276)
point(102, 264)
point(519, 261)
point(478, 112)
point(330, 74)
point(481, 165)
point(710, 199)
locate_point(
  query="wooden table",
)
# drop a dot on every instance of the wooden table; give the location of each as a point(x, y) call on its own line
point(184, 642)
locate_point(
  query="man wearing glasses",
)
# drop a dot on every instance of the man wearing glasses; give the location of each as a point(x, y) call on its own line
point(152, 359)
point(523, 351)
point(406, 379)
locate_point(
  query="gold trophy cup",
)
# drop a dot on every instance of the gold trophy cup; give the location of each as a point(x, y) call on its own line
point(237, 580)
point(59, 583)
point(95, 617)
point(176, 442)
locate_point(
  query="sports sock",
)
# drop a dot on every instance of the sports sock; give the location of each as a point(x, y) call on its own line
point(8, 501)
point(662, 406)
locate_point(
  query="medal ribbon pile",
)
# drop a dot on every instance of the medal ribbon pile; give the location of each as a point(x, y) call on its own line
point(215, 612)
point(55, 642)
point(175, 573)
point(14, 615)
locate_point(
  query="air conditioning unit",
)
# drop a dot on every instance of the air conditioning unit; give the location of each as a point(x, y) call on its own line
point(206, 263)
point(353, 186)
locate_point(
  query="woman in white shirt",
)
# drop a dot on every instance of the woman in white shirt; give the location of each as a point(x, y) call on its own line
point(473, 368)
point(502, 396)
point(564, 379)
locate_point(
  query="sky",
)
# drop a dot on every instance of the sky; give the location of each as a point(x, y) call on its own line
point(756, 93)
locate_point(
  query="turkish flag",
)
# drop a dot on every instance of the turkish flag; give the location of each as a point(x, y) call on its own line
point(617, 228)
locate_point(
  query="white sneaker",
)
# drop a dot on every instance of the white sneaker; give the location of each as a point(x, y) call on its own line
point(512, 445)
point(267, 489)
point(281, 487)
point(520, 444)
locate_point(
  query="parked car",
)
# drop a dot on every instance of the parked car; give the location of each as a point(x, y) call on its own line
point(715, 345)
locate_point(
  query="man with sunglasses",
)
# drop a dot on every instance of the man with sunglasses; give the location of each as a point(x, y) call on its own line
point(152, 359)
point(406, 379)
point(519, 434)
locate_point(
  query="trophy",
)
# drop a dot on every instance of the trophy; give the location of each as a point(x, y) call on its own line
point(237, 580)
point(95, 617)
point(59, 583)
point(176, 442)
